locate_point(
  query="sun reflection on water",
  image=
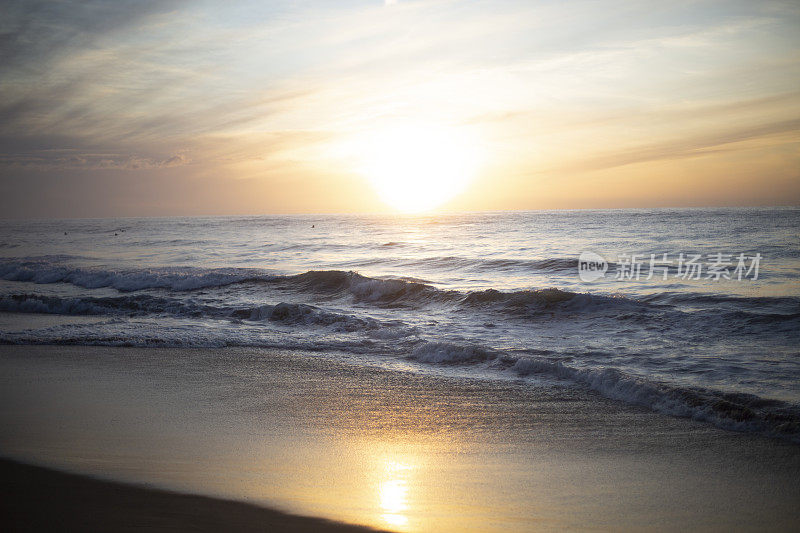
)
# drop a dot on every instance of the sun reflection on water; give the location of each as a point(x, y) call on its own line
point(393, 493)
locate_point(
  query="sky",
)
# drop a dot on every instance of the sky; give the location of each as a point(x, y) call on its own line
point(141, 108)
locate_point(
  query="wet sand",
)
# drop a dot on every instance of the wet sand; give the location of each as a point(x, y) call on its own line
point(391, 448)
point(40, 499)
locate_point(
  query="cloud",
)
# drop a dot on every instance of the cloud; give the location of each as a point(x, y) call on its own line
point(176, 160)
point(48, 160)
point(33, 33)
point(691, 146)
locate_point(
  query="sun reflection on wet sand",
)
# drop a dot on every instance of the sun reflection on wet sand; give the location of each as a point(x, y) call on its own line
point(393, 493)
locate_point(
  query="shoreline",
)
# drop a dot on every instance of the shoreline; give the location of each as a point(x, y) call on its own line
point(35, 498)
point(387, 448)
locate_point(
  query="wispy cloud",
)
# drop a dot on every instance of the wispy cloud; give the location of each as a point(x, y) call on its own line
point(787, 131)
point(71, 160)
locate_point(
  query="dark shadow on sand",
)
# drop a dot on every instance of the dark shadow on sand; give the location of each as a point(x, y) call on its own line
point(39, 499)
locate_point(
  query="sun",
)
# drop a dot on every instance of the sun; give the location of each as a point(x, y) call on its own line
point(415, 167)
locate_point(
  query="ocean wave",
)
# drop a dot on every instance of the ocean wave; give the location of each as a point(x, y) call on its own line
point(407, 291)
point(307, 315)
point(137, 305)
point(481, 264)
point(731, 411)
point(140, 305)
point(553, 264)
point(471, 264)
point(385, 291)
point(791, 304)
point(177, 279)
point(415, 293)
point(451, 353)
point(532, 302)
point(538, 303)
point(149, 332)
point(363, 288)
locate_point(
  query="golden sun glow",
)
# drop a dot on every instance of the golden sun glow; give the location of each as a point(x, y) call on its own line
point(415, 167)
point(393, 493)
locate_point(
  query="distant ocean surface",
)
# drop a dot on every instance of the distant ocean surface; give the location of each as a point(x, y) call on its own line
point(496, 296)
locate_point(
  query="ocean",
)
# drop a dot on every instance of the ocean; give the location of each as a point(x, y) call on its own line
point(687, 312)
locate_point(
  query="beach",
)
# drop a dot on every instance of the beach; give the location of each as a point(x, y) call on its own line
point(385, 447)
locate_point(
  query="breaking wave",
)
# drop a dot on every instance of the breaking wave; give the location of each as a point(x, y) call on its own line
point(146, 305)
point(383, 292)
point(731, 411)
point(176, 279)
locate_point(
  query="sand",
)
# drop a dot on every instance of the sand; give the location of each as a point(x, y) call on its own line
point(40, 499)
